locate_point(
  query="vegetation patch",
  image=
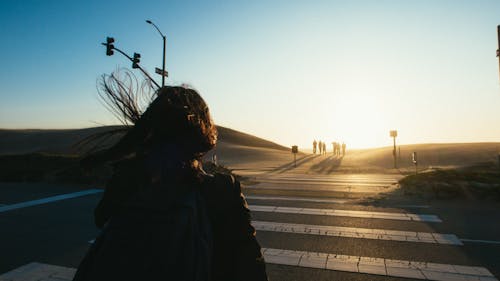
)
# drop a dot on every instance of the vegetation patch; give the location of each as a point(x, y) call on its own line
point(475, 182)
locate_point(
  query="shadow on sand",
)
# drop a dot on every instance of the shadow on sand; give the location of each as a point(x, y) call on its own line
point(327, 166)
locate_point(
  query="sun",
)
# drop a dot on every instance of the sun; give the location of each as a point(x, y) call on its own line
point(360, 122)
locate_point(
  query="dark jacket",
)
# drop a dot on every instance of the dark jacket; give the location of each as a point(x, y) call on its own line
point(236, 252)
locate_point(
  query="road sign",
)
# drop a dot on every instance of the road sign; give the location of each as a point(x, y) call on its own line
point(393, 133)
point(161, 72)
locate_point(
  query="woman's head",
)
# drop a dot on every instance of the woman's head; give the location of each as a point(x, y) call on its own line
point(178, 117)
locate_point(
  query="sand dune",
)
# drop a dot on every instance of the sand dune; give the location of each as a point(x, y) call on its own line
point(244, 152)
point(62, 141)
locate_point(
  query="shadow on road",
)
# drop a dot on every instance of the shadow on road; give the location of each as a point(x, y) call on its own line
point(327, 166)
point(289, 166)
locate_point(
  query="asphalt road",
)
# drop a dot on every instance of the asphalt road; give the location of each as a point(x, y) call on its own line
point(58, 232)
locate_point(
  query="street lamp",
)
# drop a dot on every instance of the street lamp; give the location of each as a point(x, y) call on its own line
point(163, 73)
point(498, 50)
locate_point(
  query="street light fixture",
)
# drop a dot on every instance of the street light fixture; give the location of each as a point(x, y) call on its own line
point(163, 73)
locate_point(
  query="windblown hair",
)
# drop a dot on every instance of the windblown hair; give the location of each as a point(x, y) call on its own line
point(174, 115)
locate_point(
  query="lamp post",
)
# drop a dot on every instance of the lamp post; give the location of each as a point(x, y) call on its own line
point(498, 50)
point(163, 72)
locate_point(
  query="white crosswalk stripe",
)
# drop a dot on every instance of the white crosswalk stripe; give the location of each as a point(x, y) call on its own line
point(377, 266)
point(363, 233)
point(345, 213)
point(300, 199)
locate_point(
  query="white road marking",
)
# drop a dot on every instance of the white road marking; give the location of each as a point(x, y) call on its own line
point(327, 183)
point(285, 198)
point(48, 200)
point(413, 206)
point(346, 213)
point(363, 233)
point(479, 241)
point(377, 266)
point(39, 271)
point(376, 178)
point(330, 180)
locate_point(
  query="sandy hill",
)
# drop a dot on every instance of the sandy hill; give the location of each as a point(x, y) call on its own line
point(62, 141)
point(233, 146)
point(242, 151)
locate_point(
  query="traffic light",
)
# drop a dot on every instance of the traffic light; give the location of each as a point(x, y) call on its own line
point(109, 46)
point(136, 60)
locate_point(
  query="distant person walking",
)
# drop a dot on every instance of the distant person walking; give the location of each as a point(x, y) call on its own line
point(162, 217)
point(343, 149)
point(314, 146)
point(324, 148)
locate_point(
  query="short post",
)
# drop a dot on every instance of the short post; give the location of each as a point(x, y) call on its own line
point(414, 159)
point(295, 150)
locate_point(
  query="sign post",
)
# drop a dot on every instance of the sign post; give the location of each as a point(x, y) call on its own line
point(393, 135)
point(295, 150)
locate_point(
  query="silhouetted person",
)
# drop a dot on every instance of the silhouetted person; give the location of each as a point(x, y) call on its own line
point(314, 146)
point(320, 147)
point(343, 149)
point(324, 148)
point(162, 217)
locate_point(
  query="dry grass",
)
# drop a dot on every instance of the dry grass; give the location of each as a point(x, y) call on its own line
point(475, 182)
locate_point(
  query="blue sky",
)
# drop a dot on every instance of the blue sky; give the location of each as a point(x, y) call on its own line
point(288, 71)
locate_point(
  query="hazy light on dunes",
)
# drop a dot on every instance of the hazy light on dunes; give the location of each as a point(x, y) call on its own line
point(359, 121)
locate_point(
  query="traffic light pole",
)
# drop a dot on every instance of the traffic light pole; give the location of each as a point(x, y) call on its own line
point(138, 66)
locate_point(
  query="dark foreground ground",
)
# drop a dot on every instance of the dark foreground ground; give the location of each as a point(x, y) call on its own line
point(59, 232)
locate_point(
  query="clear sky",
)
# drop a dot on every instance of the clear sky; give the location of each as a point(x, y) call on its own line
point(288, 71)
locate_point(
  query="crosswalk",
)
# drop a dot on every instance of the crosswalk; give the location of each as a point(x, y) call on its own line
point(276, 208)
point(300, 232)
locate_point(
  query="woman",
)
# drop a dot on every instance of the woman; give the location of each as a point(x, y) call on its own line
point(162, 216)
